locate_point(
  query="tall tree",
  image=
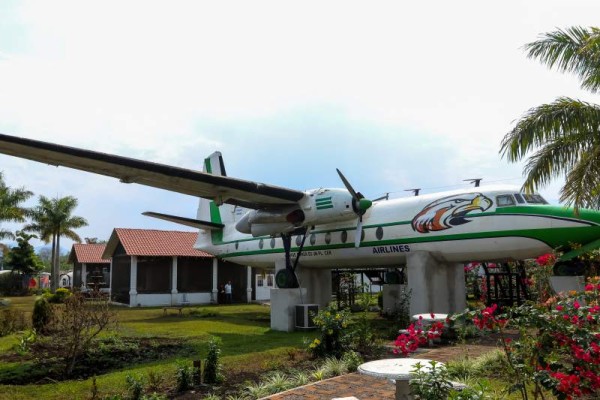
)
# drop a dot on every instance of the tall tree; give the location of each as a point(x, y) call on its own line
point(52, 218)
point(563, 136)
point(10, 206)
point(22, 257)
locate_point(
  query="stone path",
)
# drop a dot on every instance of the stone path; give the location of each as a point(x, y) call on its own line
point(365, 387)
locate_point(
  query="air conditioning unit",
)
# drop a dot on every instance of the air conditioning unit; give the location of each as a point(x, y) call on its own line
point(304, 315)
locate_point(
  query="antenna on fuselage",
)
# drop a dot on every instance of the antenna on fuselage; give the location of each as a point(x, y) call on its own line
point(475, 181)
point(386, 197)
point(415, 191)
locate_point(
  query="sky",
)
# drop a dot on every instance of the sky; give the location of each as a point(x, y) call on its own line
point(396, 94)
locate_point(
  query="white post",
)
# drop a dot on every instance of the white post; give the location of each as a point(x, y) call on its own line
point(174, 281)
point(133, 282)
point(110, 274)
point(215, 288)
point(84, 274)
point(249, 284)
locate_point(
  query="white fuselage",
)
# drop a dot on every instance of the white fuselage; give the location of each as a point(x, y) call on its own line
point(395, 228)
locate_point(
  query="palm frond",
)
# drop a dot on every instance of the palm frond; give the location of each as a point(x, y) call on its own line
point(582, 184)
point(555, 159)
point(574, 50)
point(549, 122)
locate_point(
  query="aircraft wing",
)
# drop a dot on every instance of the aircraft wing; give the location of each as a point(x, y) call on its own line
point(222, 189)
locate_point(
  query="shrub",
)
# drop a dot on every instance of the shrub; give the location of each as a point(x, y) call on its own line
point(212, 366)
point(135, 386)
point(59, 296)
point(25, 341)
point(42, 313)
point(12, 321)
point(335, 338)
point(352, 359)
point(184, 376)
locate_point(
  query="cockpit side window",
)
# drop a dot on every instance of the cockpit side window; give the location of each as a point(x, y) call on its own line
point(534, 199)
point(505, 200)
point(519, 198)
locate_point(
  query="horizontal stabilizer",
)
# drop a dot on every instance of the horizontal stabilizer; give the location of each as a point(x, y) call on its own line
point(194, 223)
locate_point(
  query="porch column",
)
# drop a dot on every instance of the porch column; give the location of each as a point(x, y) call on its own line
point(174, 281)
point(215, 285)
point(133, 282)
point(84, 274)
point(248, 284)
point(110, 274)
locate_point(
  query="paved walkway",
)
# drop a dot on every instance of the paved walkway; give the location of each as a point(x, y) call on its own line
point(365, 387)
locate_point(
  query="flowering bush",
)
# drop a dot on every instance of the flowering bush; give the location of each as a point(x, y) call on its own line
point(416, 336)
point(559, 343)
point(334, 336)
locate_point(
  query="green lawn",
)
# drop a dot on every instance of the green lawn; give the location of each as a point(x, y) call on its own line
point(244, 330)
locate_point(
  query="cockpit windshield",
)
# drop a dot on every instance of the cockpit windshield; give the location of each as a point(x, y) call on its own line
point(504, 200)
point(534, 199)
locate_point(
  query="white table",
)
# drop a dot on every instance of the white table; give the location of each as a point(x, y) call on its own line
point(397, 369)
point(428, 318)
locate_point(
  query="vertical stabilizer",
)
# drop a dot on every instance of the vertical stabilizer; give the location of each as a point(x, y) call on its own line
point(207, 209)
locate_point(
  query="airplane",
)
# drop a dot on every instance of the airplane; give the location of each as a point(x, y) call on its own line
point(258, 224)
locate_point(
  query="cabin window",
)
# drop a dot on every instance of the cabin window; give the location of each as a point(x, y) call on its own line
point(379, 233)
point(298, 240)
point(505, 200)
point(313, 239)
point(519, 198)
point(328, 237)
point(261, 243)
point(272, 243)
point(534, 199)
point(344, 236)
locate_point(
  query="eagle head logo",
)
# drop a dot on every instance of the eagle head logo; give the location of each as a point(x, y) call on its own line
point(449, 211)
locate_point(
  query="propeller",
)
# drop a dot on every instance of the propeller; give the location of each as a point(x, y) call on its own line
point(360, 205)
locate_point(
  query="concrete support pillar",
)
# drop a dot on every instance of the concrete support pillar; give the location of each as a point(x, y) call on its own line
point(315, 288)
point(436, 286)
point(317, 282)
point(84, 274)
point(248, 284)
point(215, 281)
point(133, 282)
point(174, 281)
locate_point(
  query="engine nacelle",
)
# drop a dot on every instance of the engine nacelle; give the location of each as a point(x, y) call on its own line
point(324, 206)
point(321, 206)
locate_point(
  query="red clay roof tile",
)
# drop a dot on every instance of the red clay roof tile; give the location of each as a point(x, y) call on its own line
point(88, 253)
point(150, 242)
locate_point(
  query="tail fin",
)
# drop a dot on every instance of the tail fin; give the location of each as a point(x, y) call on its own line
point(207, 209)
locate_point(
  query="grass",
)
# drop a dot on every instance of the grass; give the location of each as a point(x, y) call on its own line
point(247, 343)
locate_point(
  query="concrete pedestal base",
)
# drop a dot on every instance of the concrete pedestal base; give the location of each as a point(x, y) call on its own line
point(436, 286)
point(283, 303)
point(392, 295)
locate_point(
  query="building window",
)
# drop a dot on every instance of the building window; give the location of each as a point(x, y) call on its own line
point(154, 275)
point(194, 275)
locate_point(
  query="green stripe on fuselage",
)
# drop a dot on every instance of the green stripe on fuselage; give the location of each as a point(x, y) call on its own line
point(554, 237)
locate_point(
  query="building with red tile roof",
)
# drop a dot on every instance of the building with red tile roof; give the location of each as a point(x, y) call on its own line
point(89, 268)
point(162, 268)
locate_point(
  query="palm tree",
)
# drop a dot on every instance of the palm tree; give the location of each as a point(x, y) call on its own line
point(52, 219)
point(564, 135)
point(10, 206)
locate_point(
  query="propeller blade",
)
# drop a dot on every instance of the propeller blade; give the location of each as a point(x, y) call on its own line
point(358, 234)
point(348, 185)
